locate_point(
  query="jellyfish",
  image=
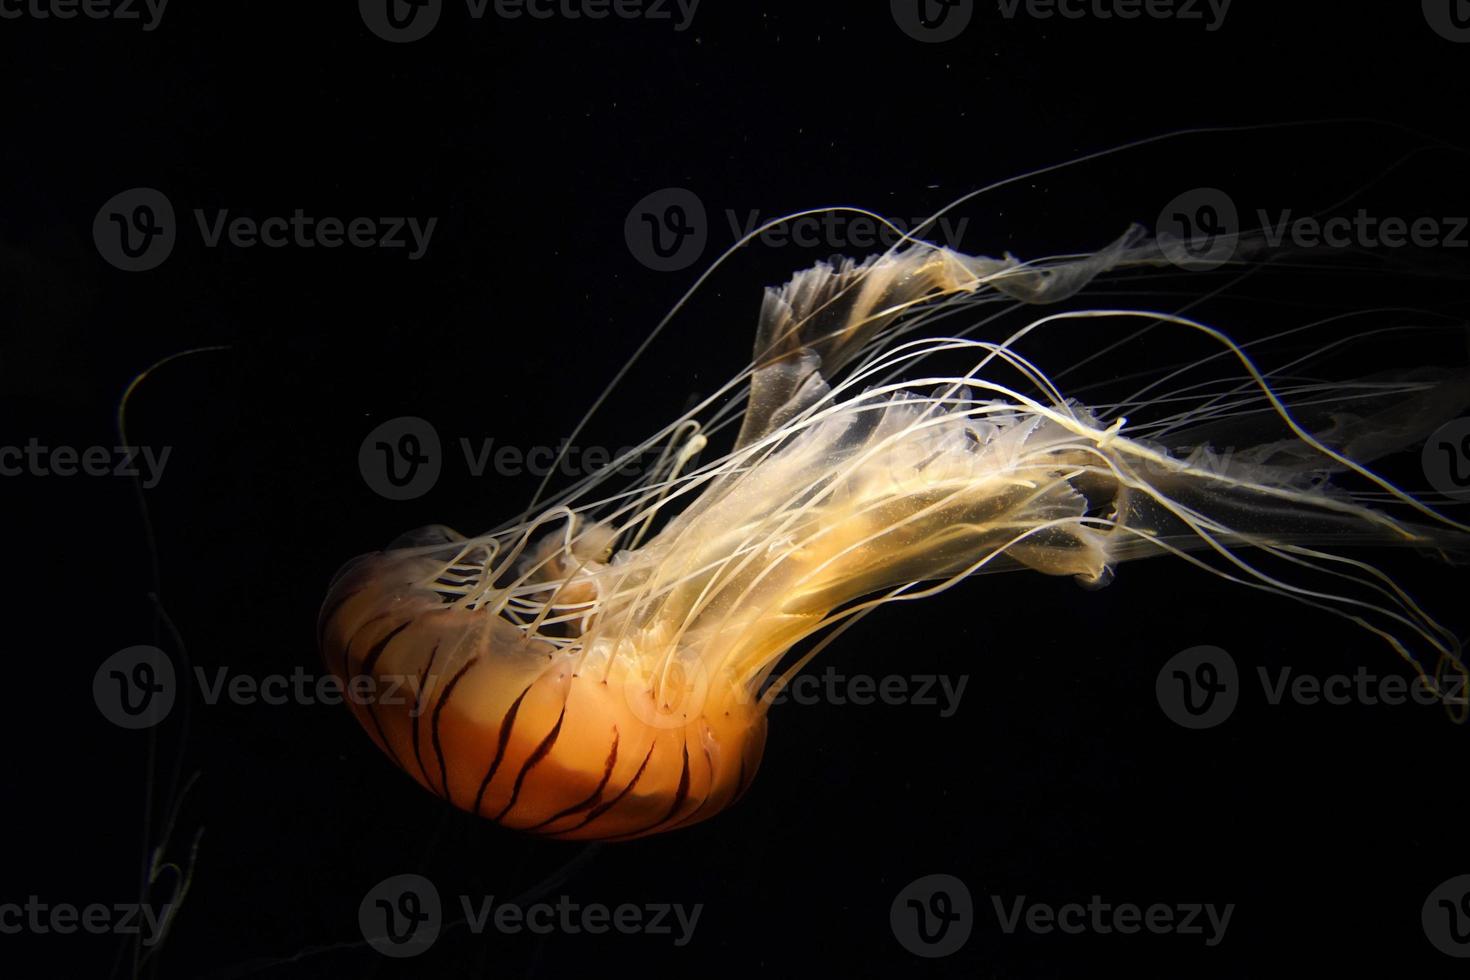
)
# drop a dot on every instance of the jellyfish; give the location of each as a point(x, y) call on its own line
point(601, 667)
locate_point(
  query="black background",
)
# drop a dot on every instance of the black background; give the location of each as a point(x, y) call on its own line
point(1058, 778)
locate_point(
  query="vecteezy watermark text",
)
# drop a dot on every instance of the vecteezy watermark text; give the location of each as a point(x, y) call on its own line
point(149, 13)
point(1211, 13)
point(402, 916)
point(403, 458)
point(933, 916)
point(1201, 229)
point(137, 688)
point(831, 687)
point(305, 231)
point(936, 21)
point(34, 459)
point(1200, 688)
point(403, 21)
point(65, 918)
point(1103, 918)
point(841, 230)
point(668, 230)
point(1363, 230)
point(136, 230)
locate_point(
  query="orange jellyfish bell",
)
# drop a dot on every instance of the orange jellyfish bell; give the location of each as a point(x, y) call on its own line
point(601, 670)
point(570, 743)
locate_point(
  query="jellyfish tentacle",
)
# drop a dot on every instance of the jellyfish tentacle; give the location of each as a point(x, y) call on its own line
point(602, 668)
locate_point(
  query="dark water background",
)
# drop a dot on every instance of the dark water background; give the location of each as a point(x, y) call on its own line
point(1058, 778)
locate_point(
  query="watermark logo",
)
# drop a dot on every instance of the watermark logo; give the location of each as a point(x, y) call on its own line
point(403, 21)
point(34, 459)
point(1363, 230)
point(671, 698)
point(1450, 19)
point(147, 12)
point(64, 919)
point(135, 688)
point(1199, 687)
point(1103, 918)
point(667, 230)
point(412, 691)
point(302, 230)
point(135, 230)
point(1446, 459)
point(933, 916)
point(1361, 687)
point(893, 690)
point(932, 21)
point(400, 21)
point(1211, 13)
point(1446, 917)
point(401, 916)
point(401, 459)
point(1199, 229)
point(845, 231)
point(677, 695)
